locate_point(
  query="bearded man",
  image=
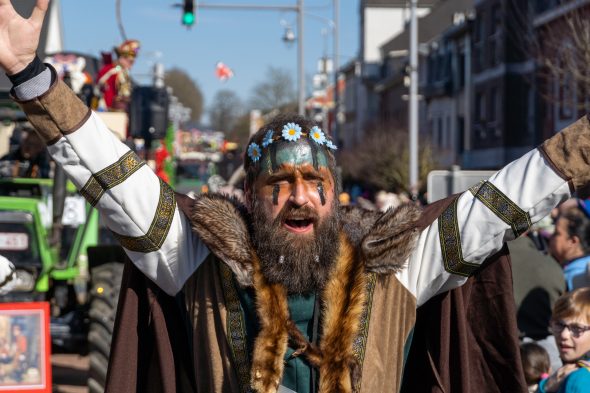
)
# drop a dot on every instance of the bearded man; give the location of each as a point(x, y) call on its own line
point(289, 291)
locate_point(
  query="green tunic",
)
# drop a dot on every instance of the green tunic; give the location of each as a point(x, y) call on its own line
point(297, 375)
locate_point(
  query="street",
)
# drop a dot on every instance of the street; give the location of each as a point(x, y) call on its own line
point(70, 373)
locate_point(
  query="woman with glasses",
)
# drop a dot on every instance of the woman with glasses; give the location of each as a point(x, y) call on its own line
point(570, 325)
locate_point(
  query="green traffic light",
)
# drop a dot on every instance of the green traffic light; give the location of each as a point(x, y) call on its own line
point(188, 18)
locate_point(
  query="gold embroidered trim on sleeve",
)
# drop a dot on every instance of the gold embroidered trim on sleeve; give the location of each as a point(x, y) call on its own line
point(154, 238)
point(450, 243)
point(359, 345)
point(110, 176)
point(92, 191)
point(503, 207)
point(236, 328)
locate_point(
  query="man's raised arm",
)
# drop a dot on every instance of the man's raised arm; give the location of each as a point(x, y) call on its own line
point(475, 225)
point(136, 206)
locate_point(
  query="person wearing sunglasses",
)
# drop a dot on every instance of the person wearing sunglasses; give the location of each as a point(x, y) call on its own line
point(570, 325)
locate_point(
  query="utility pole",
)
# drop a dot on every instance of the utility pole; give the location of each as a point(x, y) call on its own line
point(336, 65)
point(300, 60)
point(300, 68)
point(413, 110)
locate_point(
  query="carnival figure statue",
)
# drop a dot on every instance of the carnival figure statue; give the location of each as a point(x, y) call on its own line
point(113, 80)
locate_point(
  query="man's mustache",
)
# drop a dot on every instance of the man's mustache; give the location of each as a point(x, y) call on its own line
point(289, 212)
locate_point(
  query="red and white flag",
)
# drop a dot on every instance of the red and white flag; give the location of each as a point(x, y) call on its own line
point(223, 72)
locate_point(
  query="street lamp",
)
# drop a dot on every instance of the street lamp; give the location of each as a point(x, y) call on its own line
point(288, 36)
point(333, 24)
point(298, 8)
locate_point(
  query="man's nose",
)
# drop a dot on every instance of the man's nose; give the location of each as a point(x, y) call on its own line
point(299, 195)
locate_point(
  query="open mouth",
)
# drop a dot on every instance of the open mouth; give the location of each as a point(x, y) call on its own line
point(299, 225)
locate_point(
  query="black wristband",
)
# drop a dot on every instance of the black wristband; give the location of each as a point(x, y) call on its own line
point(32, 70)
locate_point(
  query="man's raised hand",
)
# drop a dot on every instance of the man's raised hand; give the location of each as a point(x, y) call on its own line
point(19, 37)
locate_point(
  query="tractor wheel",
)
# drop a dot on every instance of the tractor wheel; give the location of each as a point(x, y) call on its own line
point(106, 283)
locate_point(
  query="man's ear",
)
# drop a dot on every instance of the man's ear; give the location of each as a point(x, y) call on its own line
point(576, 242)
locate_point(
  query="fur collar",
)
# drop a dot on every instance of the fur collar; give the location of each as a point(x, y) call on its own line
point(343, 303)
point(369, 242)
point(385, 240)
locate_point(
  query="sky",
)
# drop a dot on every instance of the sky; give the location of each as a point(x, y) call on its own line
point(247, 41)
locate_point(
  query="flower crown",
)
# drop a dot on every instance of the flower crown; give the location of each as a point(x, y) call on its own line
point(291, 132)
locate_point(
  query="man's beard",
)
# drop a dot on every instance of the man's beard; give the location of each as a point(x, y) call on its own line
point(301, 263)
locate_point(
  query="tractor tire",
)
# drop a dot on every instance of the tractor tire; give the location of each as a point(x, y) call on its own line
point(106, 284)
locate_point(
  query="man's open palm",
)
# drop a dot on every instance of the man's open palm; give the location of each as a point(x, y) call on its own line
point(19, 37)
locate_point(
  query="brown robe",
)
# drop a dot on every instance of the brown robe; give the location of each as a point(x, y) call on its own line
point(470, 350)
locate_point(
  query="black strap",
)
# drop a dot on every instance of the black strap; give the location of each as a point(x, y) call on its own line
point(33, 69)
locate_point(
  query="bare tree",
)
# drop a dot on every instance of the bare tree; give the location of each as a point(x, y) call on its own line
point(557, 37)
point(187, 91)
point(276, 91)
point(240, 132)
point(381, 160)
point(563, 51)
point(225, 110)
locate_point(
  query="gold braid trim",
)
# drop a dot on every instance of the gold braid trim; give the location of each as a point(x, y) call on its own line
point(503, 207)
point(92, 191)
point(359, 345)
point(450, 243)
point(154, 238)
point(236, 328)
point(110, 177)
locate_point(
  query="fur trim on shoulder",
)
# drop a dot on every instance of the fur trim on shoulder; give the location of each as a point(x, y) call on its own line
point(221, 223)
point(386, 239)
point(391, 239)
point(356, 222)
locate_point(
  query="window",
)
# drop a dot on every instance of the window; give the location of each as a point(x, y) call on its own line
point(461, 133)
point(493, 105)
point(478, 45)
point(480, 115)
point(439, 135)
point(480, 110)
point(448, 143)
point(494, 37)
point(461, 68)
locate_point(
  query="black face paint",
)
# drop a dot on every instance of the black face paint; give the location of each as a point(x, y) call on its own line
point(273, 157)
point(321, 192)
point(314, 155)
point(275, 194)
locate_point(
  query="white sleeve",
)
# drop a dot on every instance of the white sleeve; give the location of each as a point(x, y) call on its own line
point(135, 204)
point(7, 275)
point(478, 223)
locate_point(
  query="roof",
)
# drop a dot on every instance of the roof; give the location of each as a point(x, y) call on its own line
point(398, 3)
point(25, 8)
point(430, 26)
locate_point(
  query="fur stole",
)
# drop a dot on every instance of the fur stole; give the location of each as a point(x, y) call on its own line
point(369, 242)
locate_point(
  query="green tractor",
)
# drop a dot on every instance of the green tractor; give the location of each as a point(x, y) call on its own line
point(63, 256)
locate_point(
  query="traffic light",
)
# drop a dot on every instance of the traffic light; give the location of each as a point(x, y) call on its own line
point(188, 13)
